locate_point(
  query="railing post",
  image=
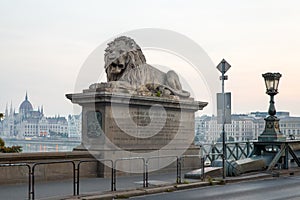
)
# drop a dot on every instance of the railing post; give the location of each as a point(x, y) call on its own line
point(203, 167)
point(248, 148)
point(32, 182)
point(178, 180)
point(29, 182)
point(225, 151)
point(78, 174)
point(146, 173)
point(213, 152)
point(112, 176)
point(74, 178)
point(237, 150)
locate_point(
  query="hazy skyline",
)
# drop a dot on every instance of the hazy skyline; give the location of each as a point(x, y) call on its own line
point(45, 43)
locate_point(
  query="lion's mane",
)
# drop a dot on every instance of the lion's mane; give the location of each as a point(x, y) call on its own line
point(123, 45)
point(125, 55)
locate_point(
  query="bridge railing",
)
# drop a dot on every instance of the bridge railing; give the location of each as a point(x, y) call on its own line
point(209, 153)
point(32, 193)
point(234, 150)
point(96, 161)
point(21, 165)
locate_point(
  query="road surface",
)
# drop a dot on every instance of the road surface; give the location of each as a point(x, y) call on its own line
point(282, 188)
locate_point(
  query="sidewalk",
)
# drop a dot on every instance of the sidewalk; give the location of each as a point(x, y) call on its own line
point(99, 188)
point(186, 185)
point(88, 186)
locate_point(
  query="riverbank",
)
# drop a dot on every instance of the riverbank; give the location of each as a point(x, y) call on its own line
point(43, 144)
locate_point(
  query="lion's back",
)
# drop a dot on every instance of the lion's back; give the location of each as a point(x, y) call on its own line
point(144, 74)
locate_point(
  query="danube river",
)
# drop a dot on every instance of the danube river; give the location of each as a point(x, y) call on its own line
point(41, 145)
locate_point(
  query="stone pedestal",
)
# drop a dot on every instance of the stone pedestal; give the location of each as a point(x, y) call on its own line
point(271, 132)
point(118, 125)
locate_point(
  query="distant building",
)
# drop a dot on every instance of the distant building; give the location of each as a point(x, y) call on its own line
point(32, 123)
point(74, 125)
point(243, 127)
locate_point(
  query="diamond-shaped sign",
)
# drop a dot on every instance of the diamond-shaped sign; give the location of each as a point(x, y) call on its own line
point(224, 66)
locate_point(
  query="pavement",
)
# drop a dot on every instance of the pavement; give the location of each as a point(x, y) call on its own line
point(123, 194)
point(129, 186)
point(63, 189)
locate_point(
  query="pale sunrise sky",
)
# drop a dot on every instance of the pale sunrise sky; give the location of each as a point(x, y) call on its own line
point(44, 44)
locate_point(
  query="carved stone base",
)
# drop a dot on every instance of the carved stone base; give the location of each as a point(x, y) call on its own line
point(118, 126)
point(272, 131)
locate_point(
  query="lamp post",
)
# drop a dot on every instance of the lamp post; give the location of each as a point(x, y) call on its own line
point(271, 132)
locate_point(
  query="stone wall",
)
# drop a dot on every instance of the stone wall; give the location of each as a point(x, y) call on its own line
point(117, 126)
point(45, 172)
point(63, 171)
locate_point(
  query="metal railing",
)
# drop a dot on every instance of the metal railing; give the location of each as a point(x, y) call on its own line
point(114, 175)
point(210, 152)
point(32, 193)
point(21, 165)
point(96, 161)
point(202, 163)
point(234, 150)
point(76, 171)
point(178, 172)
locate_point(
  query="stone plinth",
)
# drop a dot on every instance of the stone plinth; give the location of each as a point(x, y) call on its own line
point(123, 125)
point(272, 131)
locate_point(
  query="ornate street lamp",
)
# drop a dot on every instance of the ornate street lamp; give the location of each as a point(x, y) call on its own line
point(272, 131)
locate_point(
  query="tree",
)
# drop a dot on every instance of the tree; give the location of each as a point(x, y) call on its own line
point(13, 149)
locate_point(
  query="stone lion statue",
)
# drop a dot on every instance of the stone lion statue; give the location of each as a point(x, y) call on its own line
point(125, 66)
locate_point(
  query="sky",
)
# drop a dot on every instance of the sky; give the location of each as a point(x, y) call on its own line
point(44, 44)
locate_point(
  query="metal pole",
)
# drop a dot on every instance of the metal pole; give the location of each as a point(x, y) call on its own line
point(74, 179)
point(29, 182)
point(146, 175)
point(32, 183)
point(78, 177)
point(223, 124)
point(112, 175)
point(178, 179)
point(203, 167)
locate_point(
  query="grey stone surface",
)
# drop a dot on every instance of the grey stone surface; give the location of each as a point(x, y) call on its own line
point(140, 112)
point(130, 123)
point(131, 126)
point(209, 171)
point(127, 71)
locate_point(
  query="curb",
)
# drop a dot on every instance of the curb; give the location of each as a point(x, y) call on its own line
point(248, 178)
point(131, 193)
point(171, 188)
point(194, 185)
point(145, 191)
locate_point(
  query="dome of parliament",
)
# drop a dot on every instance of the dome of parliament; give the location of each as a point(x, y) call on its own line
point(25, 105)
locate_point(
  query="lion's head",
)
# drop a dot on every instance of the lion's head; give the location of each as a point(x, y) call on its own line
point(121, 55)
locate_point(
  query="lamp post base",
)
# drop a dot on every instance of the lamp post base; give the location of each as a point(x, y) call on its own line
point(272, 132)
point(271, 138)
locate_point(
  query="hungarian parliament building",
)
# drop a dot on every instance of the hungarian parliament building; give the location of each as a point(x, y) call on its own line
point(30, 123)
